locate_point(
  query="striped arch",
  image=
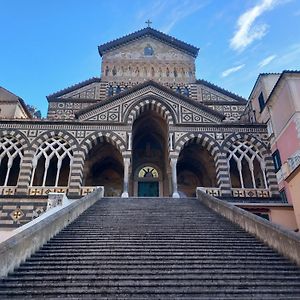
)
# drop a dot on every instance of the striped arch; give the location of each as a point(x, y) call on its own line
point(98, 137)
point(263, 151)
point(214, 150)
point(205, 140)
point(153, 104)
point(55, 133)
point(79, 158)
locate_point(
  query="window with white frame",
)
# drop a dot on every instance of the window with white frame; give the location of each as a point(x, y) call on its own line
point(246, 165)
point(52, 163)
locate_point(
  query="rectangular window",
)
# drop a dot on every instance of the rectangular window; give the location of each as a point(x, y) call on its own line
point(283, 196)
point(277, 160)
point(261, 101)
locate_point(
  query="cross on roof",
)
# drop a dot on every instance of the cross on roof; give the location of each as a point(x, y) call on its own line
point(148, 22)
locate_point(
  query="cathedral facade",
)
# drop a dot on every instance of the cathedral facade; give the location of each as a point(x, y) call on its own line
point(145, 127)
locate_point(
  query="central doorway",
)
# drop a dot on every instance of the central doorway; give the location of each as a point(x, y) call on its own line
point(148, 182)
point(149, 173)
point(148, 189)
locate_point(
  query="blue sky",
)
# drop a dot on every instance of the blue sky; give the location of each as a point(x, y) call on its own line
point(46, 46)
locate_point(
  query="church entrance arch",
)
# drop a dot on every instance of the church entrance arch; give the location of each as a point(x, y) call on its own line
point(195, 168)
point(149, 155)
point(104, 167)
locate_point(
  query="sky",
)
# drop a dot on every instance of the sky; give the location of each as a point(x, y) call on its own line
point(48, 45)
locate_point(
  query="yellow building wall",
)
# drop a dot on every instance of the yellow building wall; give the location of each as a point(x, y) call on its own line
point(284, 217)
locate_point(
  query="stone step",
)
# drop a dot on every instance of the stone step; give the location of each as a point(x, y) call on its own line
point(131, 270)
point(140, 277)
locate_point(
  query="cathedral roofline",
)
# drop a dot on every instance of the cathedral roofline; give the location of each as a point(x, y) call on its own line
point(148, 31)
point(73, 87)
point(157, 85)
point(223, 91)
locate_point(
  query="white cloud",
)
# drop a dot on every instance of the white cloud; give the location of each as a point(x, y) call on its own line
point(232, 70)
point(266, 61)
point(247, 31)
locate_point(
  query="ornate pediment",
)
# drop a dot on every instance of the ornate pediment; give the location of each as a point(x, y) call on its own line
point(124, 107)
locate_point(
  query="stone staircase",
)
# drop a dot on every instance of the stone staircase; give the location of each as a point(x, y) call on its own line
point(156, 248)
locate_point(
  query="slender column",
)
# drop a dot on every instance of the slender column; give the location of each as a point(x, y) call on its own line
point(129, 141)
point(126, 177)
point(174, 178)
point(171, 141)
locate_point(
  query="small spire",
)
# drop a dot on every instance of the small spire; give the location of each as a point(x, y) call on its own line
point(148, 22)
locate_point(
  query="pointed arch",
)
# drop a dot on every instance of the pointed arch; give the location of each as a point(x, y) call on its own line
point(12, 146)
point(247, 150)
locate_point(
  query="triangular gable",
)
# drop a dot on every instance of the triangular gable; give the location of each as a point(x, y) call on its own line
point(118, 108)
point(148, 31)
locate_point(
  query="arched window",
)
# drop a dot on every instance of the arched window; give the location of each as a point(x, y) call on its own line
point(168, 72)
point(51, 163)
point(110, 91)
point(118, 90)
point(106, 71)
point(152, 72)
point(160, 72)
point(178, 90)
point(190, 72)
point(145, 72)
point(114, 71)
point(148, 50)
point(11, 155)
point(247, 167)
point(137, 71)
point(175, 73)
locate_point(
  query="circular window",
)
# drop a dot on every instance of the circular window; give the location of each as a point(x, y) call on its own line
point(148, 172)
point(148, 50)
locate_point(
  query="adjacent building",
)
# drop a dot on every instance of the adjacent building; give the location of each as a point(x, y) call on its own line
point(275, 101)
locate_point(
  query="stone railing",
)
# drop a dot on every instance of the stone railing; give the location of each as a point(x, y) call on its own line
point(257, 193)
point(30, 237)
point(44, 191)
point(283, 241)
point(216, 192)
point(8, 190)
point(86, 190)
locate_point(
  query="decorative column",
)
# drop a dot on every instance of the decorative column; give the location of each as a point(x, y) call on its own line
point(76, 173)
point(174, 177)
point(223, 174)
point(25, 173)
point(126, 177)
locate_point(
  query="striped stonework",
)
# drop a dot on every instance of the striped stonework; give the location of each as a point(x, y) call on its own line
point(213, 148)
point(150, 104)
point(76, 172)
point(25, 172)
point(80, 155)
